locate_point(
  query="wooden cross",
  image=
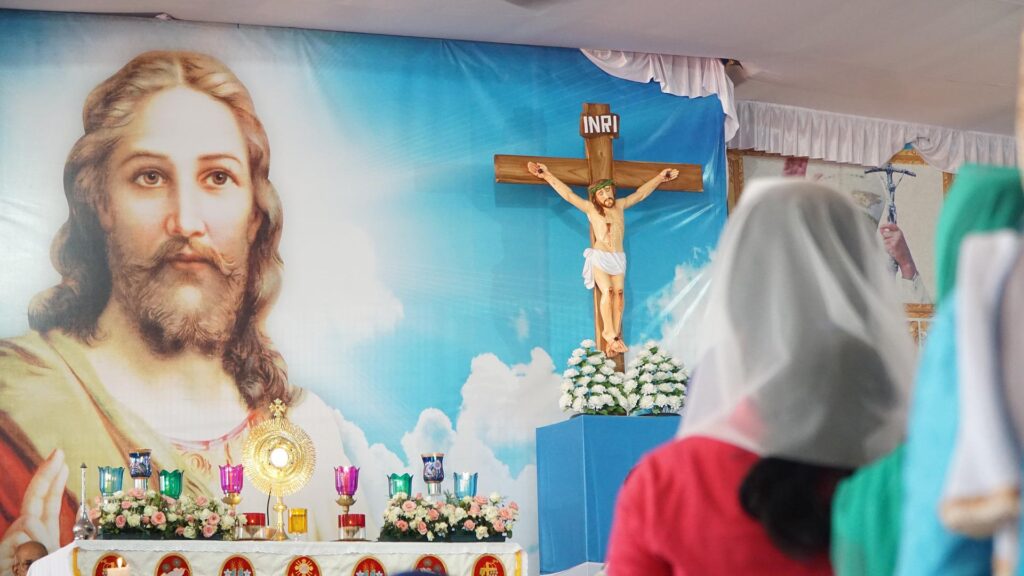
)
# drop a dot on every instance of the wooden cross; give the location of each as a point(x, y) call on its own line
point(598, 126)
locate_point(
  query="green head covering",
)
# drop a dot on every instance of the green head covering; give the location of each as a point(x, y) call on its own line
point(601, 184)
point(982, 199)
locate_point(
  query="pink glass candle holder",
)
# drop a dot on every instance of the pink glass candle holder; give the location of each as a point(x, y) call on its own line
point(231, 479)
point(346, 481)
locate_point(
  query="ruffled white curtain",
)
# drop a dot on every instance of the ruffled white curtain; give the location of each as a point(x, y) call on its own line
point(680, 75)
point(793, 131)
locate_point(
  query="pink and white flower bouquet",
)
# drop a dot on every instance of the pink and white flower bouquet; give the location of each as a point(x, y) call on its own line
point(416, 519)
point(147, 514)
point(484, 518)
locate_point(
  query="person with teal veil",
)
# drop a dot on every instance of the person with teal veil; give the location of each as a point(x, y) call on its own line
point(886, 516)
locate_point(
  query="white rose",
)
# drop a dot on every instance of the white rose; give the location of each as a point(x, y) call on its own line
point(615, 379)
point(460, 514)
point(648, 389)
point(666, 388)
point(172, 517)
point(111, 507)
point(134, 520)
point(645, 378)
point(575, 360)
point(204, 515)
point(600, 378)
point(607, 371)
point(646, 403)
point(596, 360)
point(481, 532)
point(660, 375)
point(607, 399)
point(661, 400)
point(598, 389)
point(587, 344)
point(495, 497)
point(564, 401)
point(570, 373)
point(583, 381)
point(595, 403)
point(629, 386)
point(149, 510)
point(579, 391)
point(190, 532)
point(588, 370)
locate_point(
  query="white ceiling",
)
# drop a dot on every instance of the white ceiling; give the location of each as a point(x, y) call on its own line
point(943, 62)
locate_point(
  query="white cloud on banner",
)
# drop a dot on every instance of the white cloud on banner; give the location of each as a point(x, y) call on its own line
point(683, 305)
point(502, 405)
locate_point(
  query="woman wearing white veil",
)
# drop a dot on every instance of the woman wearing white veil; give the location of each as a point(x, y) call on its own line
point(804, 376)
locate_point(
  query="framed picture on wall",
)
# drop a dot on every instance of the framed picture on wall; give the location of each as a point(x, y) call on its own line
point(904, 196)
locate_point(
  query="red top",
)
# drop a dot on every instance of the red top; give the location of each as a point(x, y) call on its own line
point(679, 513)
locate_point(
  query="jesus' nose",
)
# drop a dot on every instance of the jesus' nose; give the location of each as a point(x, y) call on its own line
point(185, 218)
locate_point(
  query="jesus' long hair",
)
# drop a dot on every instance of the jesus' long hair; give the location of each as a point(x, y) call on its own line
point(79, 250)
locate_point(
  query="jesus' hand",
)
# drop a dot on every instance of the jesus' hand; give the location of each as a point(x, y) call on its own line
point(669, 174)
point(537, 169)
point(40, 510)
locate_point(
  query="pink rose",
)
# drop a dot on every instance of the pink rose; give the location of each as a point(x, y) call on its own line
point(180, 530)
point(209, 530)
point(474, 509)
point(499, 526)
point(402, 525)
point(513, 505)
point(480, 500)
point(94, 513)
point(469, 525)
point(505, 514)
point(145, 519)
point(190, 518)
point(169, 500)
point(120, 521)
point(201, 501)
point(419, 496)
point(125, 505)
point(433, 514)
point(136, 493)
point(408, 505)
point(159, 518)
point(421, 527)
point(213, 518)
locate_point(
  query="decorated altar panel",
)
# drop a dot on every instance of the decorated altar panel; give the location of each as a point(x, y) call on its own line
point(423, 307)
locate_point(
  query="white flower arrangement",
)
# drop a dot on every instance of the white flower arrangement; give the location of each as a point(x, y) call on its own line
point(595, 387)
point(661, 380)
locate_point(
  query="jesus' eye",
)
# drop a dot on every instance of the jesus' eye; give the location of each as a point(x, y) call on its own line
point(149, 178)
point(219, 178)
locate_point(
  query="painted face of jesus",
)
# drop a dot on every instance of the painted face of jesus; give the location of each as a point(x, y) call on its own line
point(179, 217)
point(606, 196)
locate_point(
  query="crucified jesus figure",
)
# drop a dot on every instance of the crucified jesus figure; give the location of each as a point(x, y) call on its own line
point(605, 262)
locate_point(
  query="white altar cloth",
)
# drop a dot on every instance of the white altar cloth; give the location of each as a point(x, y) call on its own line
point(207, 558)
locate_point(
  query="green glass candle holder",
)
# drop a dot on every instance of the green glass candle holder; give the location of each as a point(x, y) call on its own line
point(170, 483)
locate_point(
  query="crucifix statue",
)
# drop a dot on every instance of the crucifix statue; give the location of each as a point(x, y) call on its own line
point(605, 261)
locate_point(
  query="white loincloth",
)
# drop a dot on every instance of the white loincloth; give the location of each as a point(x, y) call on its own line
point(613, 263)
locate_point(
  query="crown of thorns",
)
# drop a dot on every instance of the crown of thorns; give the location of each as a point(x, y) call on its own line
point(601, 184)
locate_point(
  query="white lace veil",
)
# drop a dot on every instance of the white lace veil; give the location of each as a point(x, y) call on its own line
point(806, 354)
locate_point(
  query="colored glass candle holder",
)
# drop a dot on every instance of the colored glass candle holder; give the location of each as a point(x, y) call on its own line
point(346, 480)
point(399, 483)
point(111, 480)
point(465, 484)
point(170, 483)
point(433, 472)
point(297, 523)
point(231, 478)
point(352, 527)
point(140, 468)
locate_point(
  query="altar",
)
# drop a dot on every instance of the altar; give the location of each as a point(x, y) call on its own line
point(293, 558)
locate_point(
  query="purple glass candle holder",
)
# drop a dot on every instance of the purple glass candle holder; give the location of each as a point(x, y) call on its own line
point(346, 480)
point(231, 478)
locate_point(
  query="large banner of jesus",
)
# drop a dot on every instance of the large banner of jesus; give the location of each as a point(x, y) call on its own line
point(198, 219)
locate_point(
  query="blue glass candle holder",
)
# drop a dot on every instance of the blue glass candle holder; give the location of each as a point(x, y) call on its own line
point(111, 480)
point(465, 484)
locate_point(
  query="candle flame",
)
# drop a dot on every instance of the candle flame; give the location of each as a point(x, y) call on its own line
point(120, 562)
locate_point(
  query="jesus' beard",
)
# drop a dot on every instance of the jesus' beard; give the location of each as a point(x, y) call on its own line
point(148, 289)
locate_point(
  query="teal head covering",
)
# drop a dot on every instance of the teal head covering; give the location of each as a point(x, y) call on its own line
point(982, 199)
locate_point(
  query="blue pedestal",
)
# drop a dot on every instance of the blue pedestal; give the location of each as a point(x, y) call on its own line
point(581, 463)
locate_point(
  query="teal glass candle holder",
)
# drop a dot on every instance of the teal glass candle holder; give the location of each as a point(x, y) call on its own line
point(398, 484)
point(111, 480)
point(170, 483)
